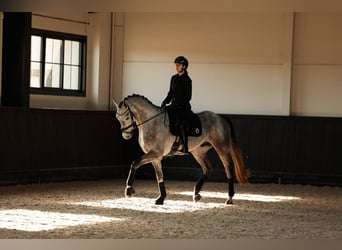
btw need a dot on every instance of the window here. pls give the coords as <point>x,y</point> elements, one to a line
<point>58,63</point>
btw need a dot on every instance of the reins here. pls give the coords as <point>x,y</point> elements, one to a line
<point>134,125</point>
<point>151,118</point>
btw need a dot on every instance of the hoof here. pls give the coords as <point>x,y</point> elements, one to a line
<point>159,201</point>
<point>229,201</point>
<point>196,197</point>
<point>129,191</point>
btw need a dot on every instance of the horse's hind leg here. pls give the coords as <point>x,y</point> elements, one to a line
<point>200,156</point>
<point>231,191</point>
<point>160,179</point>
<point>226,161</point>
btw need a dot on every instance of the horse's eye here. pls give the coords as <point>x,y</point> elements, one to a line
<point>127,118</point>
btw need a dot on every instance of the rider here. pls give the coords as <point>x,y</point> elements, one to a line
<point>180,95</point>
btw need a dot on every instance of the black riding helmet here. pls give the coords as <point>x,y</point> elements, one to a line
<point>182,60</point>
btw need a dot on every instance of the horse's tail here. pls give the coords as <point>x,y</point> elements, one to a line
<point>242,173</point>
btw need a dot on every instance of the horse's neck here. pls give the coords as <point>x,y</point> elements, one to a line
<point>142,111</point>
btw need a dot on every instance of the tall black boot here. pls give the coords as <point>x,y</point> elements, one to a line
<point>184,139</point>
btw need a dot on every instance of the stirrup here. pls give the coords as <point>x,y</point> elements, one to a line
<point>184,149</point>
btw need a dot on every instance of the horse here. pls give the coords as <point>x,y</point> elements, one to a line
<point>156,141</point>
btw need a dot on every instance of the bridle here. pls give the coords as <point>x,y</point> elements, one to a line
<point>134,124</point>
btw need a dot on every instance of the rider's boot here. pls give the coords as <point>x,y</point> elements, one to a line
<point>184,139</point>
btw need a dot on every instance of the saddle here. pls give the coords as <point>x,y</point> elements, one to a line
<point>194,123</point>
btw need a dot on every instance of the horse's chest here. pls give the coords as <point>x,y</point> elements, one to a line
<point>146,141</point>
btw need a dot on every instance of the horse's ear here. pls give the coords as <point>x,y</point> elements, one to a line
<point>116,106</point>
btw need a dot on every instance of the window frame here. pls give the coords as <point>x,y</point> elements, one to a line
<point>45,34</point>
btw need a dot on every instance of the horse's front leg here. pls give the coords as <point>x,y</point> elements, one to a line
<point>160,179</point>
<point>129,190</point>
<point>146,158</point>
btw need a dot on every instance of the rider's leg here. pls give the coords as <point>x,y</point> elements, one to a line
<point>184,136</point>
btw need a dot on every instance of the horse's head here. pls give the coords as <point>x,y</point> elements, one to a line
<point>126,119</point>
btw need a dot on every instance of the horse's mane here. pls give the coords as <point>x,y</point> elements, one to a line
<point>140,97</point>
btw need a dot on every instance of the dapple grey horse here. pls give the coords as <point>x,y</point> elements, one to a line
<point>155,139</point>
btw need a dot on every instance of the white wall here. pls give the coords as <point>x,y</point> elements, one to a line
<point>271,63</point>
<point>238,61</point>
<point>317,74</point>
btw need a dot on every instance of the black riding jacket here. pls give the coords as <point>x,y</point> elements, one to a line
<point>180,91</point>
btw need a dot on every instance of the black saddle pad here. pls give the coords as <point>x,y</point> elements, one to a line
<point>195,126</point>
